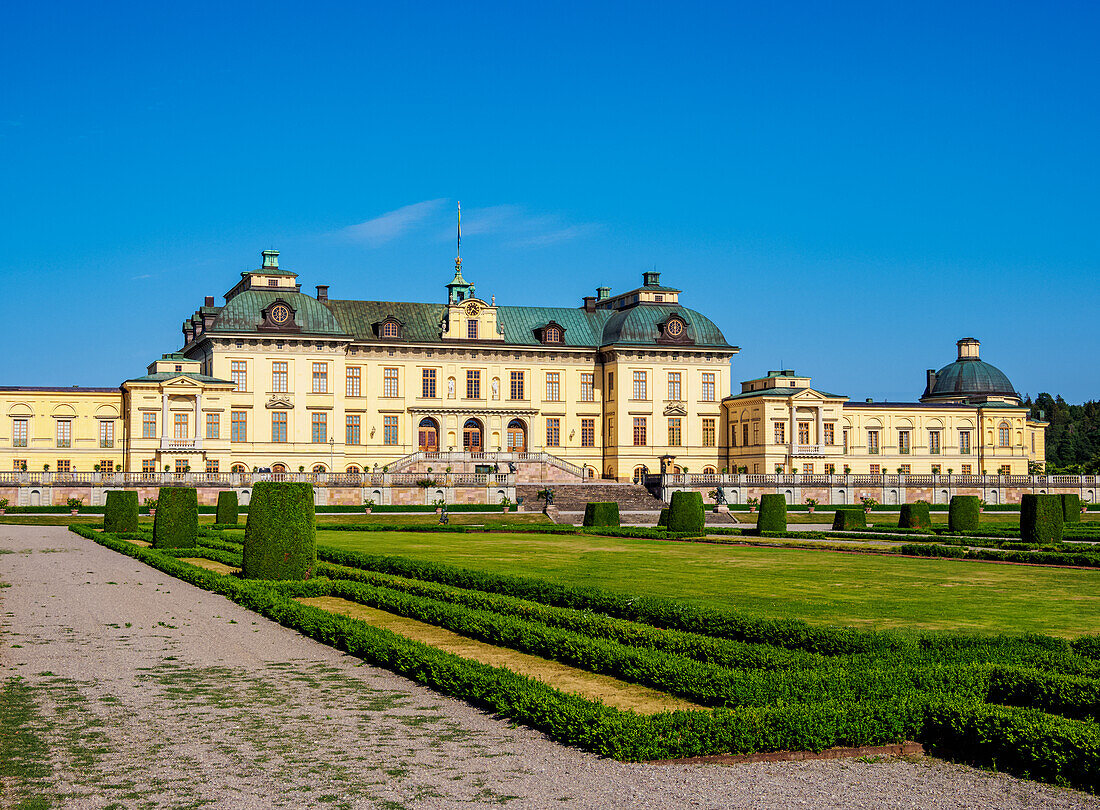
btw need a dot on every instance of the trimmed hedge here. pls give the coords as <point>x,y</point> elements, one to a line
<point>228,513</point>
<point>1071,508</point>
<point>663,519</point>
<point>914,516</point>
<point>1041,518</point>
<point>280,536</point>
<point>773,513</point>
<point>176,524</point>
<point>964,513</point>
<point>120,512</point>
<point>685,512</point>
<point>850,518</point>
<point>601,514</point>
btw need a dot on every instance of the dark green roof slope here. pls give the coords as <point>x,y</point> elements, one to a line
<point>640,325</point>
<point>969,377</point>
<point>582,328</point>
<point>783,392</point>
<point>161,376</point>
<point>241,313</point>
<point>420,322</point>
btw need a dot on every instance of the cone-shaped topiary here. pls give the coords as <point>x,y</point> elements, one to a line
<point>176,524</point>
<point>280,535</point>
<point>850,518</point>
<point>1041,519</point>
<point>227,513</point>
<point>663,519</point>
<point>1071,508</point>
<point>914,516</point>
<point>685,512</point>
<point>964,513</point>
<point>773,513</point>
<point>120,512</point>
<point>601,514</point>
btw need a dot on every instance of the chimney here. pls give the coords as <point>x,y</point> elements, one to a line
<point>322,292</point>
<point>968,348</point>
<point>271,259</point>
<point>590,303</point>
<point>651,279</point>
<point>869,400</point>
<point>931,377</point>
<point>208,301</point>
<point>603,293</point>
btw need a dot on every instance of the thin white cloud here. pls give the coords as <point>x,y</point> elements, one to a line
<point>392,224</point>
<point>143,275</point>
<point>515,227</point>
<point>556,236</point>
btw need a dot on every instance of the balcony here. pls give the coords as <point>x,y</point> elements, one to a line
<point>808,450</point>
<point>181,445</point>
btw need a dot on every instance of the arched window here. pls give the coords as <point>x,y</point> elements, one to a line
<point>1003,435</point>
<point>238,468</point>
<point>516,436</point>
<point>709,471</point>
<point>389,329</point>
<point>318,468</point>
<point>553,334</point>
<point>352,470</point>
<point>638,473</point>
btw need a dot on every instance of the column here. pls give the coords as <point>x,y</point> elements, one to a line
<point>794,433</point>
<point>164,416</point>
<point>820,427</point>
<point>198,416</point>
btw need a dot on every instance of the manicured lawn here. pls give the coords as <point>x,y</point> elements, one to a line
<point>859,590</point>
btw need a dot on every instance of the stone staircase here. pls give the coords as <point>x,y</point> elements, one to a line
<point>574,497</point>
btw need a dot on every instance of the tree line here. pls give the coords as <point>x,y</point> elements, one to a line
<point>1073,435</point>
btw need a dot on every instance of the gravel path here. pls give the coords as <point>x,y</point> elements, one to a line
<point>126,688</point>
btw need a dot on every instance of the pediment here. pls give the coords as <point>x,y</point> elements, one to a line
<point>675,409</point>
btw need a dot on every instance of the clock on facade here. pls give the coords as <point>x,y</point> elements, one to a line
<point>674,328</point>
<point>472,309</point>
<point>280,313</point>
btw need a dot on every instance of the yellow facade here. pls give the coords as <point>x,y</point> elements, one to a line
<point>61,430</point>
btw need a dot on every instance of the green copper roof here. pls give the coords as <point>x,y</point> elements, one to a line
<point>241,313</point>
<point>971,378</point>
<point>640,326</point>
<point>782,392</point>
<point>161,376</point>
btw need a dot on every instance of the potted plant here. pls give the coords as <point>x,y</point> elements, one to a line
<point>950,470</point>
<point>778,469</point>
<point>151,505</point>
<point>74,505</point>
<point>45,468</point>
<point>438,504</point>
<point>810,504</point>
<point>3,505</point>
<point>368,504</point>
<point>869,503</point>
<point>847,469</point>
<point>752,502</point>
<point>505,502</point>
<point>981,505</point>
<point>794,470</point>
<point>301,468</point>
<point>168,468</point>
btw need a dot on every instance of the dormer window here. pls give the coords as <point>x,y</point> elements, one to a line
<point>658,298</point>
<point>389,329</point>
<point>273,282</point>
<point>553,334</point>
<point>179,367</point>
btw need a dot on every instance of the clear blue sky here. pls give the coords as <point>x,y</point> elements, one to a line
<point>845,188</point>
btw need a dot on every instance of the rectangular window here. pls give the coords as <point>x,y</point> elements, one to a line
<point>211,466</point>
<point>473,384</point>
<point>148,466</point>
<point>733,435</point>
<point>876,469</point>
<point>148,426</point>
<point>515,390</point>
<point>934,442</point>
<point>320,378</point>
<point>17,464</point>
<point>553,432</point>
<point>106,465</point>
<point>830,469</point>
<point>1003,436</point>
<point>213,425</point>
<point>964,442</point>
<point>640,387</point>
<point>780,431</point>
<point>319,427</point>
<point>279,377</point>
<point>708,433</point>
<point>803,433</point>
<point>427,383</point>
<point>745,435</point>
<point>179,426</point>
<point>807,468</point>
<point>905,469</point>
<point>588,433</point>
<point>238,427</point>
<point>610,385</point>
<point>756,433</point>
<point>830,433</point>
<point>845,435</point>
<point>708,387</point>
<point>389,430</point>
<point>872,442</point>
<point>19,433</point>
<point>610,432</point>
<point>389,382</point>
<point>354,381</point>
<point>674,387</point>
<point>351,429</point>
<point>553,386</point>
<point>588,390</point>
<point>675,432</point>
<point>278,426</point>
<point>64,433</point>
<point>639,431</point>
<point>238,373</point>
<point>471,329</point>
<point>1005,470</point>
<point>935,469</point>
<point>903,442</point>
<point>182,466</point>
<point>966,469</point>
<point>64,465</point>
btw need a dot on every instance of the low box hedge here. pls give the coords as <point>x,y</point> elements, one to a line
<point>1041,518</point>
<point>120,512</point>
<point>663,519</point>
<point>228,512</point>
<point>685,512</point>
<point>773,513</point>
<point>280,535</point>
<point>914,516</point>
<point>964,513</point>
<point>850,518</point>
<point>176,524</point>
<point>1071,508</point>
<point>601,514</point>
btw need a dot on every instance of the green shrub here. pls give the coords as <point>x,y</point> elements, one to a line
<point>850,518</point>
<point>176,524</point>
<point>663,519</point>
<point>601,514</point>
<point>1071,508</point>
<point>120,513</point>
<point>773,513</point>
<point>280,535</point>
<point>685,512</point>
<point>914,516</point>
<point>1041,518</point>
<point>228,513</point>
<point>964,513</point>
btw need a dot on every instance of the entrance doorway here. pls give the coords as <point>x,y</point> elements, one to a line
<point>429,435</point>
<point>471,436</point>
<point>517,437</point>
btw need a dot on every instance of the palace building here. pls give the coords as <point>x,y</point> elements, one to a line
<point>275,378</point>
